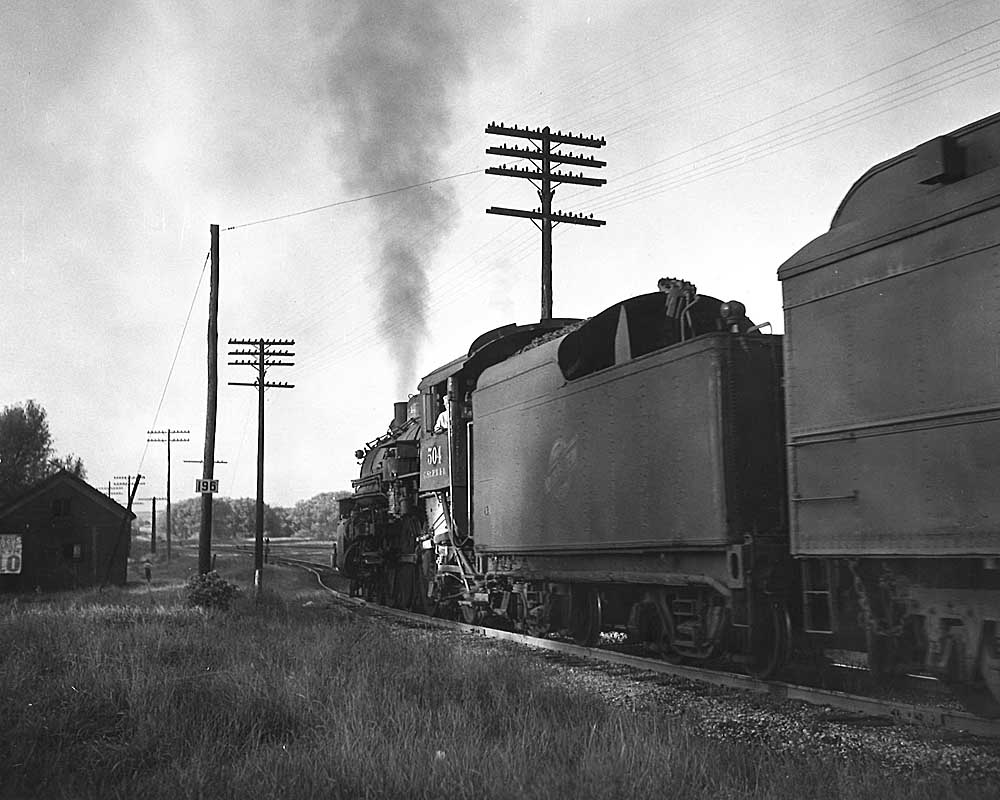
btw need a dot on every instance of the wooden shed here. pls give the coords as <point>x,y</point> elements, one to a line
<point>62,533</point>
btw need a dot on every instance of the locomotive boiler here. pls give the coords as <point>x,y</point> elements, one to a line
<point>668,470</point>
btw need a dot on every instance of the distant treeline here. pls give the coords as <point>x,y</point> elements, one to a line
<point>234,518</point>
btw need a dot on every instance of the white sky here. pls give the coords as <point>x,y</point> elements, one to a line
<point>733,131</point>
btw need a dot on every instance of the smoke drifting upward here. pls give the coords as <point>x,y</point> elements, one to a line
<point>391,78</point>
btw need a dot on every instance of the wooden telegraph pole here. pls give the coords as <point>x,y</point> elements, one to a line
<point>543,157</point>
<point>208,468</point>
<point>264,357</point>
<point>152,532</point>
<point>172,436</point>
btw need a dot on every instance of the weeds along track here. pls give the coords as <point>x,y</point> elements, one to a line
<point>864,708</point>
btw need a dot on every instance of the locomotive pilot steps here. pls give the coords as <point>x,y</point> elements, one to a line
<point>666,469</point>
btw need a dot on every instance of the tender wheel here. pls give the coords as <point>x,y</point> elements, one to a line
<point>989,666</point>
<point>983,697</point>
<point>770,639</point>
<point>882,657</point>
<point>649,626</point>
<point>538,621</point>
<point>585,619</point>
<point>977,699</point>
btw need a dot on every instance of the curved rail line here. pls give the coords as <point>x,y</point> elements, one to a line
<point>928,716</point>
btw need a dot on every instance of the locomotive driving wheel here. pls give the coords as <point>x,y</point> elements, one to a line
<point>443,600</point>
<point>586,615</point>
<point>407,587</point>
<point>352,568</point>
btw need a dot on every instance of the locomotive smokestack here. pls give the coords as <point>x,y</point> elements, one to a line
<point>399,414</point>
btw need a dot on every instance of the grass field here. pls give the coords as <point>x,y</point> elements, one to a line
<point>130,694</point>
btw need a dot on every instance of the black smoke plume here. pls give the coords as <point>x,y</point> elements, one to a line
<point>392,75</point>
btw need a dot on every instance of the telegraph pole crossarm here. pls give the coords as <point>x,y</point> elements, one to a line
<point>124,482</point>
<point>557,216</point>
<point>545,179</point>
<point>171,436</point>
<point>262,355</point>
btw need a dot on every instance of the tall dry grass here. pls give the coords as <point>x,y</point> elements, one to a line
<point>134,695</point>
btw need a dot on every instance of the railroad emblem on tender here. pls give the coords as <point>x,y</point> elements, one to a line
<point>562,467</point>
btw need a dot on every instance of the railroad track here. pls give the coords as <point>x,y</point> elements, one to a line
<point>869,707</point>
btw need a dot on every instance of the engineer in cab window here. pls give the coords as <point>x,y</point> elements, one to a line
<point>442,421</point>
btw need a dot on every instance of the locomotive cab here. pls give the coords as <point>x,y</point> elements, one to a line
<point>446,462</point>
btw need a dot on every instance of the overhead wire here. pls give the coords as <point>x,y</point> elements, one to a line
<point>341,295</point>
<point>705,23</point>
<point>723,86</point>
<point>786,137</point>
<point>523,244</point>
<point>352,200</point>
<point>382,323</point>
<point>604,200</point>
<point>811,99</point>
<point>173,363</point>
<point>374,282</point>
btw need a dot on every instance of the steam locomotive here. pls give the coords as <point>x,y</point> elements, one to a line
<point>669,470</point>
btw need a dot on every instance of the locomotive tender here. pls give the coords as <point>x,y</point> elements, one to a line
<point>667,469</point>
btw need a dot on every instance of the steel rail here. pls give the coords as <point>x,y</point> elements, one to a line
<point>908,713</point>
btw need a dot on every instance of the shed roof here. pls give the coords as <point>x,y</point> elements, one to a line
<point>69,479</point>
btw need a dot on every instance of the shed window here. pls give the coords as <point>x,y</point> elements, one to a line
<point>73,551</point>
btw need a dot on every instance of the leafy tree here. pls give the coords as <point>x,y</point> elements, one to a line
<point>71,463</point>
<point>186,517</point>
<point>26,452</point>
<point>232,518</point>
<point>316,517</point>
